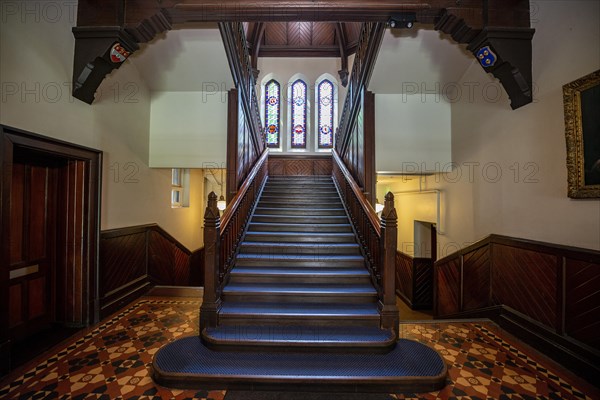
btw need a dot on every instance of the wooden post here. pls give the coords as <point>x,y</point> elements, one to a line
<point>389,236</point>
<point>211,303</point>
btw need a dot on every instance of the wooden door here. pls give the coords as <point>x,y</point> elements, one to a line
<point>33,213</point>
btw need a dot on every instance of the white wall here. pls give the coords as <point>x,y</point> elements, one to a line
<point>285,70</point>
<point>36,53</point>
<point>412,133</point>
<point>511,177</point>
<point>188,129</point>
<point>410,207</point>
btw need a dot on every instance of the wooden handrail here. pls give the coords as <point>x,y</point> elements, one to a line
<point>367,207</point>
<point>235,202</point>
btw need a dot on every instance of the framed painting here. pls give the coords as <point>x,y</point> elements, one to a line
<point>582,130</point>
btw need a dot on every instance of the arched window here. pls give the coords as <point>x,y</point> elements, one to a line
<point>325,97</point>
<point>299,111</point>
<point>272,113</point>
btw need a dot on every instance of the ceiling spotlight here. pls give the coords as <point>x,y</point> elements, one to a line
<point>403,20</point>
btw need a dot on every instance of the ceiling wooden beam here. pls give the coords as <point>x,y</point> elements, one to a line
<point>501,27</point>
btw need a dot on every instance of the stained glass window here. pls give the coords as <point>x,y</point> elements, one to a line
<point>272,113</point>
<point>299,111</point>
<point>325,96</point>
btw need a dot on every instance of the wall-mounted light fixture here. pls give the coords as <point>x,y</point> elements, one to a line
<point>221,204</point>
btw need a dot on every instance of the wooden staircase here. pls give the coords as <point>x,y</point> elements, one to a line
<point>299,279</point>
<point>296,306</point>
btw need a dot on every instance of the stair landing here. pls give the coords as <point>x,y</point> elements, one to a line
<point>410,366</point>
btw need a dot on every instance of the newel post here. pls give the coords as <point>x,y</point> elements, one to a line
<point>389,236</point>
<point>211,303</point>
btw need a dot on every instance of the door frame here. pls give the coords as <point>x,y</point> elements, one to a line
<point>10,138</point>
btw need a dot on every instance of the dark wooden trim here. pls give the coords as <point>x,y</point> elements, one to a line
<point>87,238</point>
<point>176,291</point>
<point>370,177</point>
<point>504,26</point>
<point>232,144</point>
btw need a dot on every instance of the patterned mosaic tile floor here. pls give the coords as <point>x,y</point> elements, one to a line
<point>112,361</point>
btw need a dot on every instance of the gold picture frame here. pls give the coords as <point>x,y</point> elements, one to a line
<point>582,130</point>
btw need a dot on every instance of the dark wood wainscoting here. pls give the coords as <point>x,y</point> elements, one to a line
<point>548,295</point>
<point>134,259</point>
<point>302,165</point>
<point>414,281</point>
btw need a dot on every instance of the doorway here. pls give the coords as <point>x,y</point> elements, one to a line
<point>49,213</point>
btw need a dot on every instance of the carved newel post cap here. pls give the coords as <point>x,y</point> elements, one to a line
<point>212,211</point>
<point>389,211</point>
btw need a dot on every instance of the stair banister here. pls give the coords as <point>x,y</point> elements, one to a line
<point>212,231</point>
<point>378,238</point>
<point>389,243</point>
<point>222,235</point>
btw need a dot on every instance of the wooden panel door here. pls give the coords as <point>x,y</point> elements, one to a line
<point>32,245</point>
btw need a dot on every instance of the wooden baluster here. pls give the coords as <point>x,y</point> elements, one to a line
<point>211,303</point>
<point>389,235</point>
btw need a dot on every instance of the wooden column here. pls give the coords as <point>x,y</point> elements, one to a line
<point>232,144</point>
<point>370,179</point>
<point>211,303</point>
<point>389,236</point>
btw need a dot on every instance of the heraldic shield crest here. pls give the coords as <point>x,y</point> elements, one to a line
<point>486,57</point>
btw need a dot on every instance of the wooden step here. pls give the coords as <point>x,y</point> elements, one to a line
<point>298,337</point>
<point>339,211</point>
<point>297,203</point>
<point>309,293</point>
<point>339,275</point>
<point>288,227</point>
<point>298,219</point>
<point>297,237</point>
<point>290,249</point>
<point>411,367</point>
<point>303,314</point>
<point>300,260</point>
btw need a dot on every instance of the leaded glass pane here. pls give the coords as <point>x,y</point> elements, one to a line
<point>299,111</point>
<point>325,96</point>
<point>272,113</point>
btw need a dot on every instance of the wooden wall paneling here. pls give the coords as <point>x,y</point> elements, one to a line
<point>448,280</point>
<point>323,167</point>
<point>476,279</point>
<point>582,299</point>
<point>124,267</point>
<point>404,277</point>
<point>16,213</point>
<point>196,266</point>
<point>161,259</point>
<point>423,283</point>
<point>300,165</point>
<point>526,280</point>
